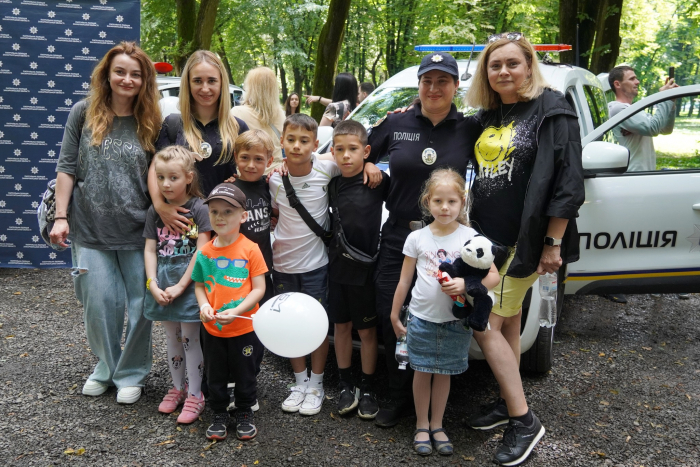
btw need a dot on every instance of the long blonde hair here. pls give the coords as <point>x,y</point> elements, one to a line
<point>186,158</point>
<point>228,126</point>
<point>452,179</point>
<point>262,94</point>
<point>480,93</point>
<point>99,115</point>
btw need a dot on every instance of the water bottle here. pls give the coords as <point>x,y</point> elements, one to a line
<point>548,300</point>
<point>401,353</point>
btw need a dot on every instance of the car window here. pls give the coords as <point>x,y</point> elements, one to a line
<point>663,137</point>
<point>236,97</point>
<point>393,98</point>
<point>597,104</point>
<point>170,92</point>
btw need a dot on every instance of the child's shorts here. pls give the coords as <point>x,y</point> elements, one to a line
<point>511,292</point>
<point>441,348</point>
<point>354,303</point>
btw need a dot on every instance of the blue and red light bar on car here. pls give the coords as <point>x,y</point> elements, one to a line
<point>480,48</point>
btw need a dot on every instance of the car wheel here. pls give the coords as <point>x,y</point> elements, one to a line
<point>538,359</point>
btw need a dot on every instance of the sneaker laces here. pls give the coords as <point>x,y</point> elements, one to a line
<point>509,436</point>
<point>245,417</point>
<point>313,396</point>
<point>220,419</point>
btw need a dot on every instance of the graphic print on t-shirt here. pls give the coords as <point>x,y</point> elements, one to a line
<point>258,216</point>
<point>435,258</point>
<point>505,152</point>
<point>176,244</point>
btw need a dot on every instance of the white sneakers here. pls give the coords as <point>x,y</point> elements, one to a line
<point>295,399</point>
<point>313,400</point>
<point>94,388</point>
<point>128,395</point>
<point>305,400</point>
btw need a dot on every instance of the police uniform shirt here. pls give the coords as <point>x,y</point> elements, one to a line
<point>405,137</point>
<point>360,209</point>
<point>210,173</point>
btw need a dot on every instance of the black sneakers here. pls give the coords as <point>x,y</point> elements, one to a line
<point>368,406</point>
<point>218,427</point>
<point>348,398</point>
<point>491,416</point>
<point>245,425</point>
<point>393,413</point>
<point>518,442</point>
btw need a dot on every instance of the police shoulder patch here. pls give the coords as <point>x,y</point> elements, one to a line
<point>379,122</point>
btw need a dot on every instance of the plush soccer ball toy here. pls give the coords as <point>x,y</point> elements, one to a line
<point>476,258</point>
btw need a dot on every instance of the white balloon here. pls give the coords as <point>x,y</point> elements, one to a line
<point>291,324</point>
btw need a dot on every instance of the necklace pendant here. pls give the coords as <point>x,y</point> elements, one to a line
<point>429,156</point>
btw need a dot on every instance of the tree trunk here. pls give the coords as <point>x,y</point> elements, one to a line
<point>298,80</point>
<point>607,39</point>
<point>588,12</point>
<point>206,19</point>
<point>568,12</point>
<point>224,59</point>
<point>329,43</point>
<point>283,80</point>
<point>186,10</point>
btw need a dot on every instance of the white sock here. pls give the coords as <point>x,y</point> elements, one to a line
<point>316,381</point>
<point>302,378</point>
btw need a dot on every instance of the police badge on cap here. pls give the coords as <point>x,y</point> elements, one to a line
<point>439,61</point>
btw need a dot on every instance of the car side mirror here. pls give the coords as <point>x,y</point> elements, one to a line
<point>601,157</point>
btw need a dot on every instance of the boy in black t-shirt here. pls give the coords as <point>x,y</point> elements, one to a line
<point>253,154</point>
<point>351,286</point>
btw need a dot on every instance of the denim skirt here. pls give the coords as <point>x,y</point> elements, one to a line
<point>184,309</point>
<point>441,348</point>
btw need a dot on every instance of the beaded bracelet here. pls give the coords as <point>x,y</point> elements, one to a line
<point>148,282</point>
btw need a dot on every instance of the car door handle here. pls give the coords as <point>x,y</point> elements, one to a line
<point>696,207</point>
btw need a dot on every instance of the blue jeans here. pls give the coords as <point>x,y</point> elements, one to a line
<point>109,283</point>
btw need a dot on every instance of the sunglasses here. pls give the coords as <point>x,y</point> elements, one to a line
<point>223,262</point>
<point>511,36</point>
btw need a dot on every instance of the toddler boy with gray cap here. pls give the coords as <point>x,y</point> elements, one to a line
<point>229,276</point>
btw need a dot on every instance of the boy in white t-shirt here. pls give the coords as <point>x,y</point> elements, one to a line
<point>299,256</point>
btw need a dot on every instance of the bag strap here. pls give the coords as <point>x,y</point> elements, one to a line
<point>174,123</point>
<point>296,204</point>
<point>275,131</point>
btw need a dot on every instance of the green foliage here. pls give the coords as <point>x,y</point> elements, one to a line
<point>380,34</point>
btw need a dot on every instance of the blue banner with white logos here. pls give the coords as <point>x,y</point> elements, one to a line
<point>48,50</point>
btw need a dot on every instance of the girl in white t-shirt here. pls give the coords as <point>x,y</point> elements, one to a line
<point>438,343</point>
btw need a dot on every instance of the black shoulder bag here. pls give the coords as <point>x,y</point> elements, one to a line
<point>346,250</point>
<point>294,202</point>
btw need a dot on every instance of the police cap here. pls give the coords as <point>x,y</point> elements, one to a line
<point>439,61</point>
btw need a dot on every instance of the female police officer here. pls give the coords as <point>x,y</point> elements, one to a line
<point>430,135</point>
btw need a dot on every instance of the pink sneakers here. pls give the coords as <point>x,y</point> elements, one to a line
<point>172,400</point>
<point>192,410</point>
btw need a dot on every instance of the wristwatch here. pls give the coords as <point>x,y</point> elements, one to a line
<point>551,241</point>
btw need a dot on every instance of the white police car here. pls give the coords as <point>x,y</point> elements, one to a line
<point>640,232</point>
<point>169,89</point>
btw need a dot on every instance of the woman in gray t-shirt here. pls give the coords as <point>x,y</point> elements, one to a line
<point>101,203</point>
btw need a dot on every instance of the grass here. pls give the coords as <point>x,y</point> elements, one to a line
<point>680,149</point>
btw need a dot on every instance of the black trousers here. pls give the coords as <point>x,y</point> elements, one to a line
<point>387,277</point>
<point>237,356</point>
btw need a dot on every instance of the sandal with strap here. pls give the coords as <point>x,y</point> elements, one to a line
<point>424,448</point>
<point>444,448</point>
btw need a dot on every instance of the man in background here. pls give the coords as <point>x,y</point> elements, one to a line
<point>636,132</point>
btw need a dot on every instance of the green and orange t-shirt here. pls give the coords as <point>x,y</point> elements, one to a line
<point>227,274</point>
